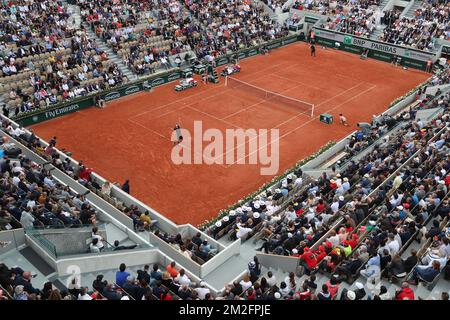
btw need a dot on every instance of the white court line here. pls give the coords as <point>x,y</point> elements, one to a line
<point>214,117</point>
<point>151,130</point>
<point>305,123</point>
<point>301,113</point>
<point>198,93</point>
<point>244,109</point>
<point>305,84</point>
<point>164,137</point>
<point>262,101</point>
<point>323,102</point>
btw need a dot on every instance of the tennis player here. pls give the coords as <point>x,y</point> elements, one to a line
<point>177,130</point>
<point>343,120</point>
<point>313,50</point>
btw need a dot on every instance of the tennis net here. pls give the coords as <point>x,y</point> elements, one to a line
<point>301,106</point>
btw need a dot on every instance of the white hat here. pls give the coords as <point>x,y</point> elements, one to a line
<point>351,295</point>
<point>289,176</point>
<point>226,219</point>
<point>256,215</point>
<point>239,210</point>
<point>346,179</point>
<point>341,198</point>
<point>277,295</point>
<point>256,205</point>
<point>338,175</point>
<point>294,251</point>
<point>232,212</point>
<point>289,235</point>
<point>372,222</point>
<point>332,181</point>
<point>218,224</point>
<point>441,182</point>
<point>311,209</point>
<point>366,175</point>
<point>400,207</point>
<point>125,298</point>
<point>277,191</point>
<point>202,284</point>
<point>359,285</point>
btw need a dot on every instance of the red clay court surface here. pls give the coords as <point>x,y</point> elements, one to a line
<point>130,139</point>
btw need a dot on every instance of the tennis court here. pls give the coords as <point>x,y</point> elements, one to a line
<point>130,139</point>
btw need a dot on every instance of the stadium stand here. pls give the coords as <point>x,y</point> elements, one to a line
<point>378,213</point>
<point>59,63</point>
<point>429,22</point>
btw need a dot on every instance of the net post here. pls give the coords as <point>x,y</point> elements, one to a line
<point>226,81</point>
<point>312,111</point>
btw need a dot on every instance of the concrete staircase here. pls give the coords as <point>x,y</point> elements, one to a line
<point>383,4</point>
<point>414,7</point>
<point>377,32</point>
<point>111,55</point>
<point>76,16</point>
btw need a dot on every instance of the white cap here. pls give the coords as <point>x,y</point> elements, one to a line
<point>256,205</point>
<point>289,235</point>
<point>232,212</point>
<point>277,191</point>
<point>359,285</point>
<point>351,295</point>
<point>277,295</point>
<point>218,224</point>
<point>294,251</point>
<point>400,207</point>
<point>226,219</point>
<point>341,198</point>
<point>256,215</point>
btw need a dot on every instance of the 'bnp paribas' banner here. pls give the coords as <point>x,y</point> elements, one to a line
<point>377,50</point>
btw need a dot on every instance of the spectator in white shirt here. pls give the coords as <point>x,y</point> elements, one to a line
<point>182,278</point>
<point>392,244</point>
<point>271,279</point>
<point>242,232</point>
<point>27,219</point>
<point>334,239</point>
<point>202,291</point>
<point>245,283</point>
<point>95,235</point>
<point>83,295</point>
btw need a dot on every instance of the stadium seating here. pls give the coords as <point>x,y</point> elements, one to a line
<point>385,197</point>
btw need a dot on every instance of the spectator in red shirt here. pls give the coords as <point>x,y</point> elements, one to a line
<point>333,286</point>
<point>405,293</point>
<point>171,269</point>
<point>353,240</point>
<point>320,207</point>
<point>165,295</point>
<point>309,261</point>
